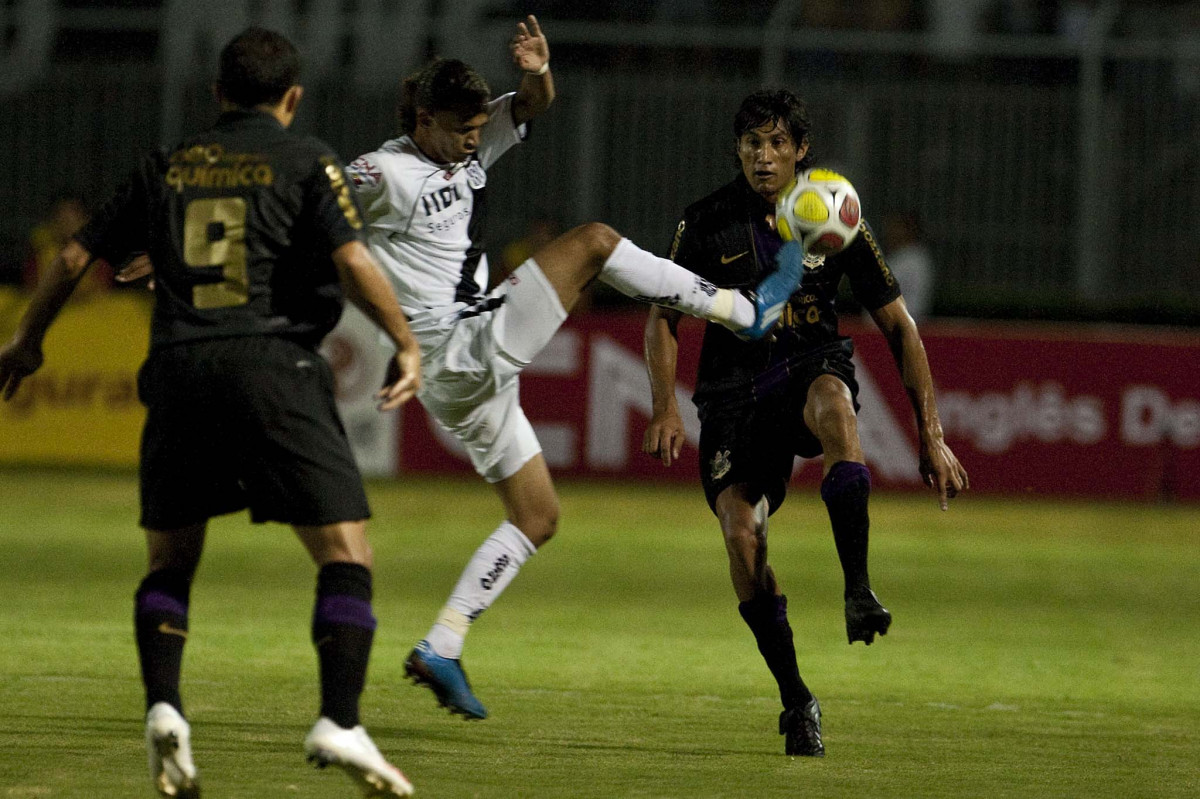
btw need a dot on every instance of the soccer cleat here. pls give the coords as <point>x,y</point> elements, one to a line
<point>865,617</point>
<point>801,728</point>
<point>771,295</point>
<point>169,752</point>
<point>352,750</point>
<point>446,678</point>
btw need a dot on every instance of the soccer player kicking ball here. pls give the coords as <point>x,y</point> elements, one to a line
<point>761,403</point>
<point>254,235</point>
<point>423,196</point>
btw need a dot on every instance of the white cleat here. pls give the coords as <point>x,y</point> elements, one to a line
<point>354,751</point>
<point>169,751</point>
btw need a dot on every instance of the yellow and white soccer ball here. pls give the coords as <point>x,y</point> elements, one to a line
<point>820,209</point>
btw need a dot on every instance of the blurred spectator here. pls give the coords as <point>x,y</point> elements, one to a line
<point>64,217</point>
<point>909,258</point>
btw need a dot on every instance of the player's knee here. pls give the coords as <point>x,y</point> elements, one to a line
<point>599,239</point>
<point>742,534</point>
<point>539,524</point>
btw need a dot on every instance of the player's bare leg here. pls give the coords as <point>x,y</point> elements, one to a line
<point>596,251</point>
<point>764,609</point>
<point>161,625</point>
<point>343,627</point>
<point>744,526</point>
<point>531,519</point>
<point>846,488</point>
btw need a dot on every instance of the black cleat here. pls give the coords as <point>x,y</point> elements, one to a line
<point>865,617</point>
<point>801,728</point>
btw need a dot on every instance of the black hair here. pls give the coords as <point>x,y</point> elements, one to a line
<point>442,85</point>
<point>258,67</point>
<point>776,105</point>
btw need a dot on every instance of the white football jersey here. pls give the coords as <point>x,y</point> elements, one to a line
<point>425,221</point>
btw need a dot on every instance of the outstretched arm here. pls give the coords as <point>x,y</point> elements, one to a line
<point>939,467</point>
<point>665,436</point>
<point>371,293</point>
<point>531,54</point>
<point>22,355</point>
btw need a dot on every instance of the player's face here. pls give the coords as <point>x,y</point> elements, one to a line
<point>450,137</point>
<point>769,155</point>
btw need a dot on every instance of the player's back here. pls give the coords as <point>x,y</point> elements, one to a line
<point>241,221</point>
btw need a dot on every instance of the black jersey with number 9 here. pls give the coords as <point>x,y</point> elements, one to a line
<point>239,222</point>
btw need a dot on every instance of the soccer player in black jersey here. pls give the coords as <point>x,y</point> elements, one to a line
<point>254,234</point>
<point>761,403</point>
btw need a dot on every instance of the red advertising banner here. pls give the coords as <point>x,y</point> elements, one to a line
<point>1029,408</point>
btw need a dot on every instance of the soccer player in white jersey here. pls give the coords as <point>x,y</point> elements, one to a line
<point>424,200</point>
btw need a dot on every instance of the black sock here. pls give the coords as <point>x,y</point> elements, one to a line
<point>846,490</point>
<point>342,629</point>
<point>766,616</point>
<point>160,621</point>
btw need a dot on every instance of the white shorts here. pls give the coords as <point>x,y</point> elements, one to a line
<point>470,369</point>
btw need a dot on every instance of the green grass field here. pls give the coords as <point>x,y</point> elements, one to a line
<point>1039,650</point>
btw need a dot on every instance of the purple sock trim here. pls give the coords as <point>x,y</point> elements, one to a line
<point>160,602</point>
<point>845,478</point>
<point>764,607</point>
<point>341,609</point>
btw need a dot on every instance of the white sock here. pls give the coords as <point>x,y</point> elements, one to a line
<point>488,573</point>
<point>648,278</point>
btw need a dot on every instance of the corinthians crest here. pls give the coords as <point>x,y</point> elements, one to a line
<point>813,261</point>
<point>476,177</point>
<point>720,464</point>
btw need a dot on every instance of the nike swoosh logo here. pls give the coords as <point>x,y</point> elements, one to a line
<point>169,630</point>
<point>728,259</point>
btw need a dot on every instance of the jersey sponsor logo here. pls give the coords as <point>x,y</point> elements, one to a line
<point>219,177</point>
<point>208,166</point>
<point>498,568</point>
<point>721,464</point>
<point>337,182</point>
<point>728,259</point>
<point>439,200</point>
<point>364,173</point>
<point>476,176</point>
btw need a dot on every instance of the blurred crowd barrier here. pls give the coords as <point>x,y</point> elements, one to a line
<point>1049,150</point>
<point>1037,408</point>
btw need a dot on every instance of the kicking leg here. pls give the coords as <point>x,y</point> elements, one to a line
<point>595,250</point>
<point>846,489</point>
<point>161,624</point>
<point>531,507</point>
<point>764,609</point>
<point>343,628</point>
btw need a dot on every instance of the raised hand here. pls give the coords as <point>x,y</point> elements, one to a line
<point>530,51</point>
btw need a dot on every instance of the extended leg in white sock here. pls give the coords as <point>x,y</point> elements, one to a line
<point>644,276</point>
<point>487,574</point>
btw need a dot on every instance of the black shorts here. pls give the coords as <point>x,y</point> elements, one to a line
<point>756,442</point>
<point>244,422</point>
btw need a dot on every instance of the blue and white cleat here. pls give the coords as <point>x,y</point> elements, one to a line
<point>771,295</point>
<point>446,678</point>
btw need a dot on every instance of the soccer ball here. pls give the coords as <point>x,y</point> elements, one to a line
<point>819,209</point>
